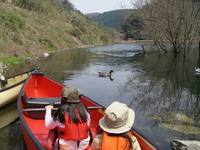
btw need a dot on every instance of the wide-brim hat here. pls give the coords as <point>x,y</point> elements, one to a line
<point>70,94</point>
<point>118,118</point>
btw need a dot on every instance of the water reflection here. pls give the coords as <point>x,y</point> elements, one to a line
<point>66,63</point>
<point>10,137</point>
<point>168,95</point>
<point>173,87</point>
<point>8,114</point>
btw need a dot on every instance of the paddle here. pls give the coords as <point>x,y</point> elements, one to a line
<point>43,109</point>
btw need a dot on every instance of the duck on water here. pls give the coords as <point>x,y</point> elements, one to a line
<point>106,74</point>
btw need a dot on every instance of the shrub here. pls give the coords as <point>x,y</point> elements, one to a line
<point>48,44</point>
<point>43,6</point>
<point>76,32</point>
<point>11,20</point>
<point>11,60</point>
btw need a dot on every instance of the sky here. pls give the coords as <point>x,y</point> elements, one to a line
<point>91,6</point>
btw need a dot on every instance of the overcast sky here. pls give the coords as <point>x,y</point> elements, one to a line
<point>90,6</point>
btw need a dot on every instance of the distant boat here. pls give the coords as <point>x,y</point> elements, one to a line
<point>10,87</point>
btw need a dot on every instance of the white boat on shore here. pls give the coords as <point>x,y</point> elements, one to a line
<point>10,90</point>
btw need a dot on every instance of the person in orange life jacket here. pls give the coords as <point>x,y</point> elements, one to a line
<point>116,125</point>
<point>72,121</point>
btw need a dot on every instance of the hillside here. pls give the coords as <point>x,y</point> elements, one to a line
<point>112,19</point>
<point>29,28</point>
<point>93,15</point>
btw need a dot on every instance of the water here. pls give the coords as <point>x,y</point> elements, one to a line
<point>162,90</point>
<point>10,134</point>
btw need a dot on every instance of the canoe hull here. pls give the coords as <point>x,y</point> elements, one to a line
<point>9,95</point>
<point>10,91</point>
<point>34,131</point>
<point>30,145</point>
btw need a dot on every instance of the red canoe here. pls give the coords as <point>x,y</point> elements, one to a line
<point>38,91</point>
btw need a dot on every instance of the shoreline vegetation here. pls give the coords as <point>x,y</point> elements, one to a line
<point>31,28</point>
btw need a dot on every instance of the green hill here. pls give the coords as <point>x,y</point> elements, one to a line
<point>112,19</point>
<point>31,27</point>
<point>93,15</point>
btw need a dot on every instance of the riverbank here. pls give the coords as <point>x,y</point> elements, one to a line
<point>135,41</point>
<point>28,30</point>
<point>11,64</point>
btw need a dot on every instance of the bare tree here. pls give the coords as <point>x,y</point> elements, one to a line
<point>169,22</point>
<point>197,21</point>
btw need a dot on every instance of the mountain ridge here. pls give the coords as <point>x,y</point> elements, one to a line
<point>113,19</point>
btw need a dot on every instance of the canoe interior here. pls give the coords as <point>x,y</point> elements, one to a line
<point>38,86</point>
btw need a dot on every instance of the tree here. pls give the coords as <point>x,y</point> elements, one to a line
<point>169,22</point>
<point>197,21</point>
<point>132,27</point>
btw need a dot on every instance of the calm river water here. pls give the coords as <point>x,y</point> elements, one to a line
<point>162,89</point>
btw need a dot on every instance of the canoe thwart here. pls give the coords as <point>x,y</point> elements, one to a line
<point>43,109</point>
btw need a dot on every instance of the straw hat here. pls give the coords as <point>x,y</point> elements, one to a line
<point>118,118</point>
<point>71,94</point>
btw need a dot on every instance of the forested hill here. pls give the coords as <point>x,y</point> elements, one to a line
<point>31,27</point>
<point>113,19</point>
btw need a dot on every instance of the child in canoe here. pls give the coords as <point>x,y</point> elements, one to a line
<point>71,120</point>
<point>116,125</point>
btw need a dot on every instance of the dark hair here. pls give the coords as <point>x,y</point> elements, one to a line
<point>63,100</point>
<point>71,109</point>
<point>126,136</point>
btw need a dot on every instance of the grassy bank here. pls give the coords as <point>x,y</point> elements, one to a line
<point>28,28</point>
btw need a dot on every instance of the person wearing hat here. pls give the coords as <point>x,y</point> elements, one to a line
<point>71,120</point>
<point>116,125</point>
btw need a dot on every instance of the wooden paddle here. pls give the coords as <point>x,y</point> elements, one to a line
<point>43,109</point>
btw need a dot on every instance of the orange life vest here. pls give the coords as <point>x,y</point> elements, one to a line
<point>73,131</point>
<point>114,142</point>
